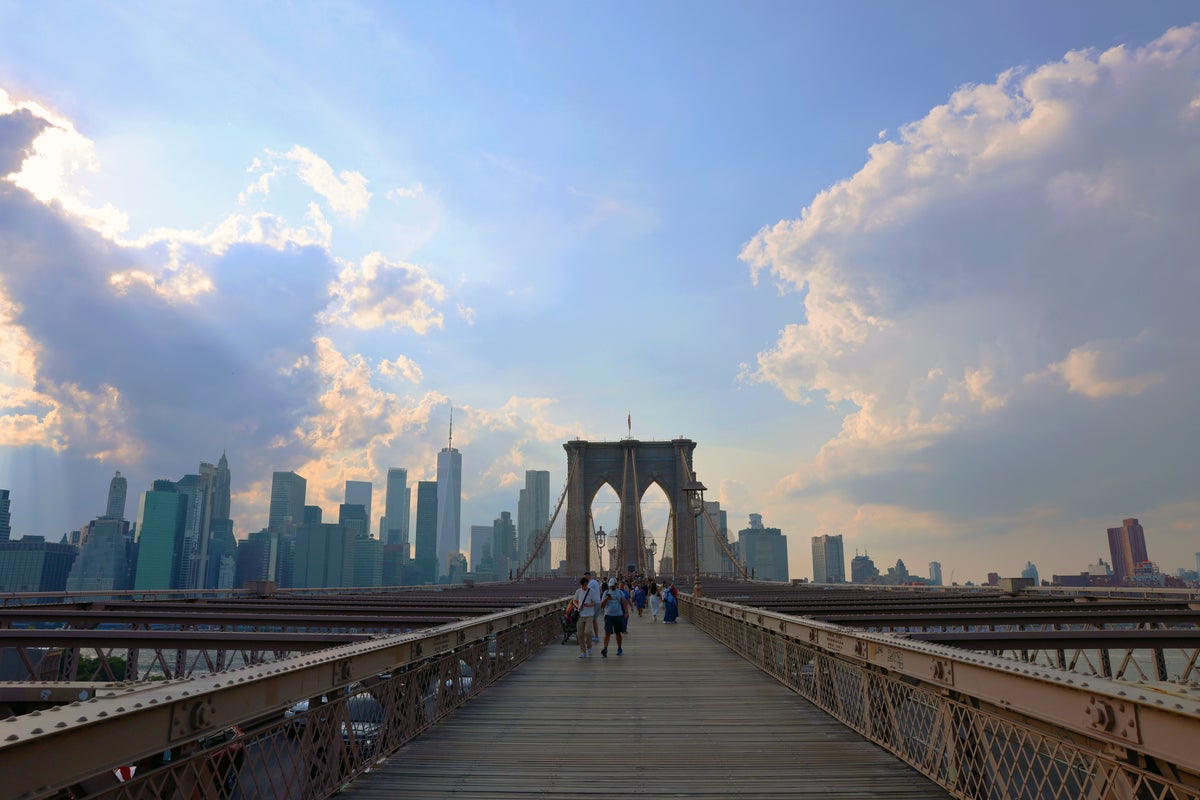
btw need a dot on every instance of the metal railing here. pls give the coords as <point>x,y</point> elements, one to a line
<point>981,727</point>
<point>300,727</point>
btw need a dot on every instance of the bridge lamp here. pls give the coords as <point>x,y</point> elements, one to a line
<point>695,497</point>
<point>601,536</point>
<point>653,549</point>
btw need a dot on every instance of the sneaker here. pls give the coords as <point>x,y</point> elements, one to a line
<point>595,638</point>
<point>619,651</point>
<point>589,652</point>
<point>604,653</point>
<point>583,655</point>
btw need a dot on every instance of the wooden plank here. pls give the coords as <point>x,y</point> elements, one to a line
<point>678,715</point>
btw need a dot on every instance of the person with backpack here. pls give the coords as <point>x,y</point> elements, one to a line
<point>615,603</point>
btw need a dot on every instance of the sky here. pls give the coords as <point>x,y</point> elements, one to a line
<point>923,274</point>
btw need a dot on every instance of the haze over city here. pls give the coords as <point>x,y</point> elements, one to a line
<point>920,274</point>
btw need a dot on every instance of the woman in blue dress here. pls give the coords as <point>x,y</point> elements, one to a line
<point>670,602</point>
<point>639,598</point>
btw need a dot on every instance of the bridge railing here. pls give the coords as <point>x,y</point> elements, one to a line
<point>300,727</point>
<point>981,727</point>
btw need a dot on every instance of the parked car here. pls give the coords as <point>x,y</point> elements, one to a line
<point>363,724</point>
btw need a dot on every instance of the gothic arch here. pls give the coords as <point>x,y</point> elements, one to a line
<point>631,467</point>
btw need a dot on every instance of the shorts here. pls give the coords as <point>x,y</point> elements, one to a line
<point>614,624</point>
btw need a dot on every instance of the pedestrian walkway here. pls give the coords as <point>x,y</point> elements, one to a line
<point>678,715</point>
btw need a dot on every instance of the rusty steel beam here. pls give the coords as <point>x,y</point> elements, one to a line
<point>107,732</point>
<point>1148,639</point>
<point>1161,725</point>
<point>177,640</point>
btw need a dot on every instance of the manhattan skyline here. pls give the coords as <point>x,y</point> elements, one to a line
<point>916,274</point>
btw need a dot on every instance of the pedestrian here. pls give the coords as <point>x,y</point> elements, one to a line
<point>670,602</point>
<point>655,601</point>
<point>587,603</point>
<point>639,598</point>
<point>615,603</point>
<point>594,588</point>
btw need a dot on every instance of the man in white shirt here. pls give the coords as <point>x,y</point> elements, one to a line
<point>587,600</point>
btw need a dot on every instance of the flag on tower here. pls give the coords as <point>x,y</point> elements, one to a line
<point>629,423</point>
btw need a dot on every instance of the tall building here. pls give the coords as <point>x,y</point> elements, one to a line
<point>426,533</point>
<point>354,518</point>
<point>324,556</point>
<point>194,555</point>
<point>763,550</point>
<point>829,561</point>
<point>935,573</point>
<point>1031,572</point>
<point>359,493</point>
<point>103,562</point>
<point>161,520</point>
<point>1127,545</point>
<point>504,545</point>
<point>712,557</point>
<point>221,489</point>
<point>31,564</point>
<point>862,569</point>
<point>287,500</point>
<point>5,516</point>
<point>533,516</point>
<point>481,546</point>
<point>449,489</point>
<point>396,508</point>
<point>118,489</point>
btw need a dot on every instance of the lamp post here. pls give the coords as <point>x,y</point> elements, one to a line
<point>600,537</point>
<point>695,495</point>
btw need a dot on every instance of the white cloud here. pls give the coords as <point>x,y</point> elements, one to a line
<point>1031,235</point>
<point>1112,368</point>
<point>403,366</point>
<point>412,193</point>
<point>345,191</point>
<point>377,292</point>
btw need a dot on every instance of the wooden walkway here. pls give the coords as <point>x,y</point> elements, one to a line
<point>677,716</point>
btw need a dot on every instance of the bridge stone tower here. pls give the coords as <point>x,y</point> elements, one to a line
<point>630,467</point>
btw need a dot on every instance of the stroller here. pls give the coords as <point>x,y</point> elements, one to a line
<point>569,618</point>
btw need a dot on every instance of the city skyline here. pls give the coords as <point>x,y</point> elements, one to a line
<point>917,274</point>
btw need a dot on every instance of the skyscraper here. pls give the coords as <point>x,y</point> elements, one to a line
<point>504,545</point>
<point>427,529</point>
<point>161,519</point>
<point>533,515</point>
<point>829,561</point>
<point>713,559</point>
<point>764,550</point>
<point>359,493</point>
<point>935,573</point>
<point>5,516</point>
<point>287,500</point>
<point>396,508</point>
<point>221,483</point>
<point>193,557</point>
<point>481,546</point>
<point>103,558</point>
<point>862,569</point>
<point>449,494</point>
<point>118,488</point>
<point>1127,544</point>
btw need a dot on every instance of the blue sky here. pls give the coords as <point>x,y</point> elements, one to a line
<point>910,272</point>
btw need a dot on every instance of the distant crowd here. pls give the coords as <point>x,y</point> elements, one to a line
<point>615,600</point>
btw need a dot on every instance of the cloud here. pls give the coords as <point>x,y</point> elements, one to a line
<point>345,191</point>
<point>377,293</point>
<point>999,275</point>
<point>403,366</point>
<point>1113,367</point>
<point>412,193</point>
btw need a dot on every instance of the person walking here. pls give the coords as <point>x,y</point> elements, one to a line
<point>655,601</point>
<point>639,598</point>
<point>587,602</point>
<point>670,602</point>
<point>594,588</point>
<point>615,603</point>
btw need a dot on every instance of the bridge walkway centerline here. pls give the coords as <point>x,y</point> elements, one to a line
<point>678,715</point>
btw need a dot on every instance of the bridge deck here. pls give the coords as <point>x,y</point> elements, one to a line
<point>678,715</point>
